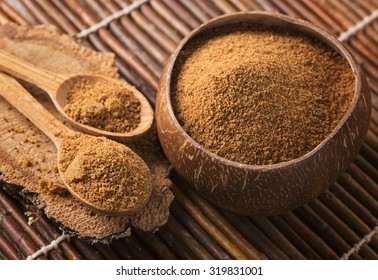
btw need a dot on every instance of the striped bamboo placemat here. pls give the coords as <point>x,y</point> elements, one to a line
<point>341,223</point>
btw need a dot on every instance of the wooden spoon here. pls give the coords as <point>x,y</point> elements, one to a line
<point>57,86</point>
<point>26,104</point>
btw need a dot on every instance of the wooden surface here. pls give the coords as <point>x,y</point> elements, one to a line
<point>341,223</point>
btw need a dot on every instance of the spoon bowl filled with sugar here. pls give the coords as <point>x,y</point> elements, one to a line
<point>261,112</point>
<point>104,175</point>
<point>93,104</point>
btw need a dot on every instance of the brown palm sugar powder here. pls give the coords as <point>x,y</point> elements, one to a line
<point>104,105</point>
<point>260,95</point>
<point>105,173</point>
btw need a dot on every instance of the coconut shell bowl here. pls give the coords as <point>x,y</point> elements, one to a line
<point>264,189</point>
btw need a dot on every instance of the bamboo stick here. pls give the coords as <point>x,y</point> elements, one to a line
<point>372,140</point>
<point>157,20</point>
<point>88,252</point>
<point>255,236</point>
<point>300,9</point>
<point>368,6</point>
<point>106,252</point>
<point>66,12</point>
<point>17,235</point>
<point>195,10</point>
<point>340,226</point>
<point>373,84</point>
<point>225,6</point>
<point>356,7</point>
<point>133,29</point>
<point>155,244</point>
<point>294,238</point>
<point>366,38</point>
<point>374,98</point>
<point>316,243</point>
<point>60,19</point>
<point>139,250</point>
<point>373,3</point>
<point>359,192</point>
<point>374,119</point>
<point>188,240</point>
<point>169,236</point>
<point>368,184</point>
<point>207,7</point>
<point>338,244</point>
<point>123,36</point>
<point>351,18</point>
<point>241,6</point>
<point>367,167</point>
<point>278,238</point>
<point>373,126</point>
<point>3,18</point>
<point>12,13</point>
<point>20,218</point>
<point>169,16</point>
<point>153,31</point>
<point>219,221</point>
<point>332,24</point>
<point>197,232</point>
<point>119,248</point>
<point>185,15</point>
<point>359,209</point>
<point>52,233</point>
<point>191,208</point>
<point>122,247</point>
<point>265,5</point>
<point>36,11</point>
<point>251,5</point>
<point>349,217</point>
<point>20,8</point>
<point>7,249</point>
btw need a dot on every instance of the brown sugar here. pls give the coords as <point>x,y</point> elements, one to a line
<point>260,95</point>
<point>104,105</point>
<point>105,173</point>
<point>27,162</point>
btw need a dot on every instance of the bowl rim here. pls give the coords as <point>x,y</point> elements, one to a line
<point>323,35</point>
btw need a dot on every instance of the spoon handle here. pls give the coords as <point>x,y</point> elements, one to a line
<point>26,104</point>
<point>28,72</point>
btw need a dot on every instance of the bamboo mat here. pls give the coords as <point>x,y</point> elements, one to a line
<point>342,223</point>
